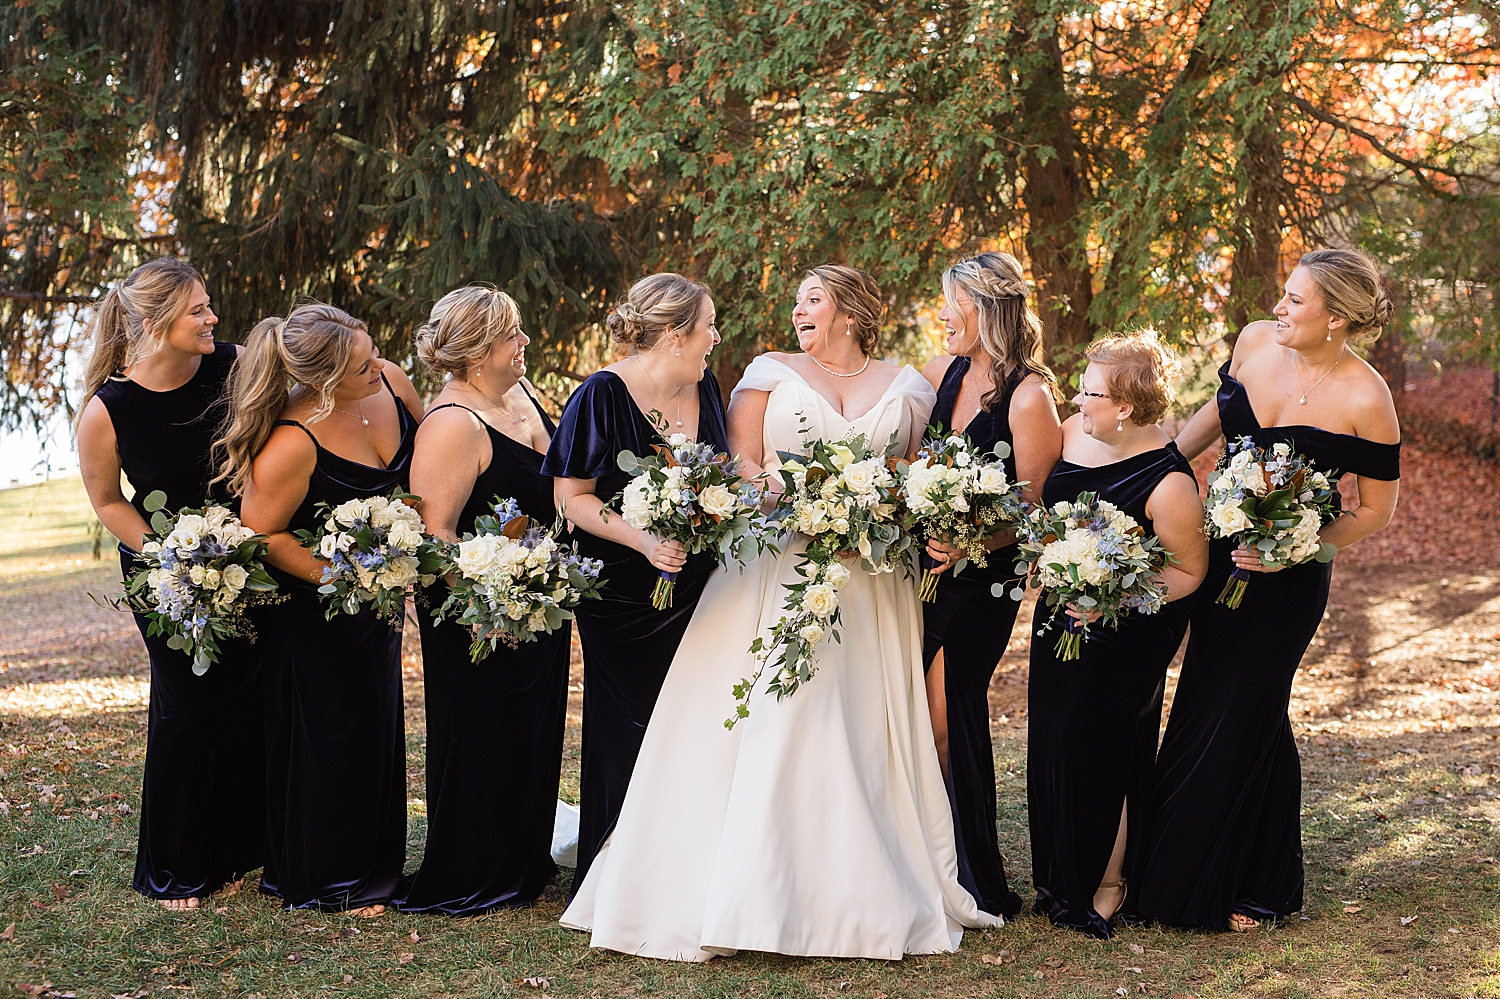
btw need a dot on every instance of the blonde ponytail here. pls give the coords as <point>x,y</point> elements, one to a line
<point>132,321</point>
<point>311,347</point>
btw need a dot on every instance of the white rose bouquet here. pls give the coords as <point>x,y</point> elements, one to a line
<point>685,492</point>
<point>202,572</point>
<point>1094,555</point>
<point>514,581</point>
<point>1270,501</point>
<point>844,495</point>
<point>960,496</point>
<point>377,552</point>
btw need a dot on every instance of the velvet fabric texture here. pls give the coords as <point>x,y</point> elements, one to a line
<point>203,787</point>
<point>335,733</point>
<point>1094,720</point>
<point>1225,833</point>
<point>494,731</point>
<point>971,627</point>
<point>627,644</point>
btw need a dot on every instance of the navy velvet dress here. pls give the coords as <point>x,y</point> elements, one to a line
<point>971,627</point>
<point>1225,832</point>
<point>203,790</point>
<point>494,731</point>
<point>335,731</point>
<point>1094,720</point>
<point>628,645</point>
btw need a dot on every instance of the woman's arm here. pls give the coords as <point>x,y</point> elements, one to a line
<point>1037,433</point>
<point>452,448</point>
<point>404,389</point>
<point>746,423</point>
<point>1201,431</point>
<point>1177,514</point>
<point>99,463</point>
<point>577,502</point>
<point>277,486</point>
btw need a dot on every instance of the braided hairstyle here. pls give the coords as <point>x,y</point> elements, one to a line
<point>1009,330</point>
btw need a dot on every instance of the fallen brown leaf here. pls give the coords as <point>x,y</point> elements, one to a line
<point>222,910</point>
<point>295,957</point>
<point>1408,920</point>
<point>60,892</point>
<point>1053,962</point>
<point>1351,909</point>
<point>1137,949</point>
<point>536,982</point>
<point>407,957</point>
<point>9,933</point>
<point>414,936</point>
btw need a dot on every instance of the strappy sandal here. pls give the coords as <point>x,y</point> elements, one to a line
<point>1124,894</point>
<point>1241,923</point>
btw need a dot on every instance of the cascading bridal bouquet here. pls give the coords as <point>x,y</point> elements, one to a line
<point>202,572</point>
<point>961,496</point>
<point>514,581</point>
<point>1272,502</point>
<point>844,496</point>
<point>685,492</point>
<point>1093,555</point>
<point>377,553</point>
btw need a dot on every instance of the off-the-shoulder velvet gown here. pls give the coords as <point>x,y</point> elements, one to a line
<point>971,627</point>
<point>494,730</point>
<point>1225,833</point>
<point>203,791</point>
<point>335,732</point>
<point>627,643</point>
<point>1094,720</point>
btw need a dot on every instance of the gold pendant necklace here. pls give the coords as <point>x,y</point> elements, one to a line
<point>1307,392</point>
<point>657,389</point>
<point>360,416</point>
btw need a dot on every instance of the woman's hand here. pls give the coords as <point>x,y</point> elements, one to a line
<point>1078,615</point>
<point>944,554</point>
<point>1249,560</point>
<point>668,556</point>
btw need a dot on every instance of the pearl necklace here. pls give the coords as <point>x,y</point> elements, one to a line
<point>842,374</point>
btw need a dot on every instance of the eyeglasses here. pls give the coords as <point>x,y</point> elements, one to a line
<point>1093,395</point>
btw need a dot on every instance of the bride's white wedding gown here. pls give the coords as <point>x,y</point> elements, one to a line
<point>820,825</point>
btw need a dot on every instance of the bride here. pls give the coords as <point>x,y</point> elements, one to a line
<point>819,826</point>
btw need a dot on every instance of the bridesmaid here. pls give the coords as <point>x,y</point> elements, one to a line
<point>154,394</point>
<point>335,738</point>
<point>993,386</point>
<point>1224,847</point>
<point>494,728</point>
<point>1094,720</point>
<point>663,386</point>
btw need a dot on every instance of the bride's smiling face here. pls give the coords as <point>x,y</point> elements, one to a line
<point>815,316</point>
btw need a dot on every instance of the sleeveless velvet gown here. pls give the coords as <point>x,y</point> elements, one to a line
<point>494,731</point>
<point>627,644</point>
<point>1094,720</point>
<point>971,627</point>
<point>1225,834</point>
<point>203,790</point>
<point>335,733</point>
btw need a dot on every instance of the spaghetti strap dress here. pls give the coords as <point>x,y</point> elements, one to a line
<point>627,644</point>
<point>335,733</point>
<point>1225,833</point>
<point>494,729</point>
<point>203,790</point>
<point>1093,721</point>
<point>971,627</point>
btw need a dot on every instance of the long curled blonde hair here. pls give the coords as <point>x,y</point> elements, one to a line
<point>1009,330</point>
<point>132,321</point>
<point>311,347</point>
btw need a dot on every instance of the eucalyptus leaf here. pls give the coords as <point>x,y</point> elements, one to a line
<point>155,500</point>
<point>1001,450</point>
<point>628,462</point>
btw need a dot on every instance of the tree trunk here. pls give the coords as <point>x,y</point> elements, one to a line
<point>1255,277</point>
<point>1053,191</point>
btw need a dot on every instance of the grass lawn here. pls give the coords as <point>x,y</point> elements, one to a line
<point>1395,713</point>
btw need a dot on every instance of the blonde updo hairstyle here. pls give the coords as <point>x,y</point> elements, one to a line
<point>1010,332</point>
<point>311,347</point>
<point>656,307</point>
<point>462,327</point>
<point>857,295</point>
<point>1140,370</point>
<point>132,321</point>
<point>1352,288</point>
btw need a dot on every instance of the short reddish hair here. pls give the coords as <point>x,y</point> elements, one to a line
<point>1139,370</point>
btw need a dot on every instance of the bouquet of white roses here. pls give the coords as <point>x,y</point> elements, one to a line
<point>685,492</point>
<point>514,581</point>
<point>377,553</point>
<point>960,496</point>
<point>202,572</point>
<point>1270,501</point>
<point>843,495</point>
<point>1094,555</point>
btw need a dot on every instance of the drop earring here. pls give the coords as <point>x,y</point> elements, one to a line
<point>1329,338</point>
<point>1119,426</point>
<point>847,330</point>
